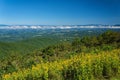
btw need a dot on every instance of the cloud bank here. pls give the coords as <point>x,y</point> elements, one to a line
<point>55,27</point>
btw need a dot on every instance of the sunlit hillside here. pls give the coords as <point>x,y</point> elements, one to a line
<point>95,57</point>
<point>84,66</point>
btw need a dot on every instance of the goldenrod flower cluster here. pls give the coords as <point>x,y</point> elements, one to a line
<point>79,67</point>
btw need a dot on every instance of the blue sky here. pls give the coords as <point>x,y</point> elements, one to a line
<point>59,12</point>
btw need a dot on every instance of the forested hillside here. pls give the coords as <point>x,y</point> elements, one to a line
<point>85,66</point>
<point>84,58</point>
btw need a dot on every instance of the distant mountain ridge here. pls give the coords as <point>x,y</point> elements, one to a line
<point>61,25</point>
<point>3,25</point>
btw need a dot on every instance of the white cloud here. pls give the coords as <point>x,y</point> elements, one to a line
<point>54,27</point>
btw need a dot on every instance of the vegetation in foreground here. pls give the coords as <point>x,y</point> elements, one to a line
<point>104,65</point>
<point>95,57</point>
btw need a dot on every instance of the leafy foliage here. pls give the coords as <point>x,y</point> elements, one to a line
<point>38,58</point>
<point>79,67</point>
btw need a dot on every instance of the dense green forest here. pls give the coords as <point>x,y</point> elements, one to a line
<point>66,60</point>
